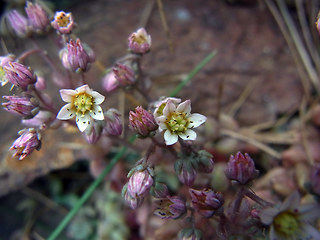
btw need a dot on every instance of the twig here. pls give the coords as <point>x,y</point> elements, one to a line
<point>146,13</point>
<point>252,141</point>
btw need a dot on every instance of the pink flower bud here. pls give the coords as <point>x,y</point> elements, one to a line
<point>94,131</point>
<point>206,202</point>
<point>18,23</point>
<point>140,183</point>
<point>26,143</point>
<point>132,202</point>
<point>38,18</point>
<point>19,75</point>
<point>109,82</point>
<point>139,41</point>
<point>26,107</point>
<point>171,207</point>
<point>124,75</point>
<point>77,57</point>
<point>186,170</point>
<point>113,122</point>
<point>205,161</point>
<point>63,22</point>
<point>142,122</point>
<point>241,168</point>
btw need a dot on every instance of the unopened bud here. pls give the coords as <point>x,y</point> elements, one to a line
<point>140,183</point>
<point>207,202</point>
<point>38,18</point>
<point>113,122</point>
<point>109,82</point>
<point>124,74</point>
<point>160,190</point>
<point>26,107</point>
<point>28,141</point>
<point>19,75</point>
<point>142,122</point>
<point>18,23</point>
<point>205,161</point>
<point>186,169</point>
<point>77,57</point>
<point>241,168</point>
<point>93,132</point>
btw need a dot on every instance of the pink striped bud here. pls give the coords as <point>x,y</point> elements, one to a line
<point>124,74</point>
<point>38,18</point>
<point>206,202</point>
<point>142,122</point>
<point>113,122</point>
<point>132,202</point>
<point>77,57</point>
<point>19,23</point>
<point>140,182</point>
<point>26,107</point>
<point>19,75</point>
<point>28,141</point>
<point>186,169</point>
<point>241,168</point>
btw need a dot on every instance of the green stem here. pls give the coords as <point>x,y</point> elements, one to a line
<point>192,73</point>
<point>114,160</point>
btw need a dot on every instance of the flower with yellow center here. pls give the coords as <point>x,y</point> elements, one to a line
<point>83,103</point>
<point>290,220</point>
<point>63,22</point>
<point>177,121</point>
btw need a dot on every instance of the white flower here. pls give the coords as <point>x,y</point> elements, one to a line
<point>83,103</point>
<point>178,122</point>
<point>290,220</point>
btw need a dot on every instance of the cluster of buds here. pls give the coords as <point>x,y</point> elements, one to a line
<point>28,141</point>
<point>187,166</point>
<point>143,122</point>
<point>77,56</point>
<point>37,20</point>
<point>139,42</point>
<point>26,106</point>
<point>138,186</point>
<point>206,202</point>
<point>241,168</point>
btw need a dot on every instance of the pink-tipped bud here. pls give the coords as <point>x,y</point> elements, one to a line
<point>19,23</point>
<point>109,82</point>
<point>93,132</point>
<point>140,183</point>
<point>171,207</point>
<point>241,168</point>
<point>19,75</point>
<point>186,169</point>
<point>77,57</point>
<point>143,122</point>
<point>139,41</point>
<point>132,202</point>
<point>63,22</point>
<point>38,18</point>
<point>124,74</point>
<point>113,122</point>
<point>28,141</point>
<point>206,202</point>
<point>26,107</point>
<point>315,180</point>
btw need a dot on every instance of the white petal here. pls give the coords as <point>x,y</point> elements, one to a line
<point>291,202</point>
<point>98,98</point>
<point>66,112</point>
<point>97,113</point>
<point>188,135</point>
<point>84,88</point>
<point>268,214</point>
<point>161,119</point>
<point>169,108</point>
<point>196,120</point>
<point>83,121</point>
<point>162,126</point>
<point>67,94</point>
<point>184,107</point>
<point>170,138</point>
<point>310,231</point>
